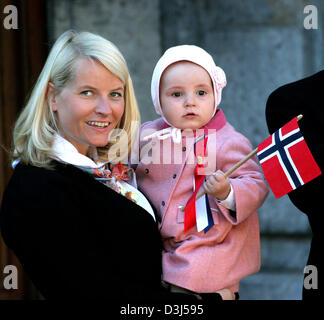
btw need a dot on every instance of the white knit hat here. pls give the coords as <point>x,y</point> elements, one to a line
<point>193,54</point>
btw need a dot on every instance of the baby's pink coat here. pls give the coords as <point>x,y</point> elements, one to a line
<point>231,249</point>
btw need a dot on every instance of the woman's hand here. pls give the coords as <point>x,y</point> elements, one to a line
<point>218,185</point>
<point>226,294</point>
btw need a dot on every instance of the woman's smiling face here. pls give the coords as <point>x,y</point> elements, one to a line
<point>90,106</point>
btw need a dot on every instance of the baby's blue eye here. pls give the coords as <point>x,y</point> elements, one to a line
<point>201,92</point>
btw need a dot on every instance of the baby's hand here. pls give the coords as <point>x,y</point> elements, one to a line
<point>218,186</point>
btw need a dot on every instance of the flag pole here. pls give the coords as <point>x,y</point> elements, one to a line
<point>237,165</point>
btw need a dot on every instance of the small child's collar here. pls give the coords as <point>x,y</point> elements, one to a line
<point>216,122</point>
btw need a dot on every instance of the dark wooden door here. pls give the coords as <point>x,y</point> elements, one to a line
<point>22,54</point>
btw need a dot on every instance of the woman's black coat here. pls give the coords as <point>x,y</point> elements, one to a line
<point>77,238</point>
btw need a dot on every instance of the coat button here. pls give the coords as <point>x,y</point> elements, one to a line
<point>147,170</point>
<point>163,203</point>
<point>184,149</point>
<point>174,176</point>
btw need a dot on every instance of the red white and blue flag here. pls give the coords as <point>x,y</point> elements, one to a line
<point>286,160</point>
<point>198,212</point>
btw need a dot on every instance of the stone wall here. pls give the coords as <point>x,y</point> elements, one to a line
<point>261,45</point>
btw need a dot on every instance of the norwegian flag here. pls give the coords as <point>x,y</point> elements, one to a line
<point>286,161</point>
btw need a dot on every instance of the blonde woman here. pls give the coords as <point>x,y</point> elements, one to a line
<point>70,211</point>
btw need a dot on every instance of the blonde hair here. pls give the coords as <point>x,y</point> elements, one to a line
<point>35,128</point>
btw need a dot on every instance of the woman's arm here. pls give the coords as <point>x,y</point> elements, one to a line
<point>76,238</point>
